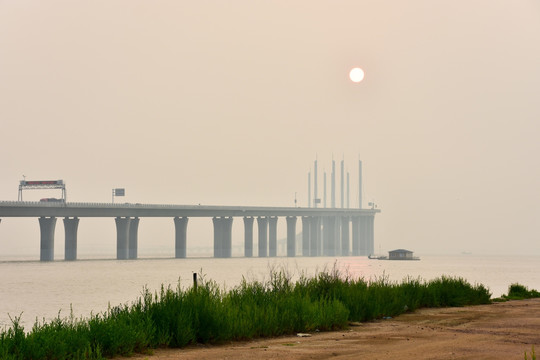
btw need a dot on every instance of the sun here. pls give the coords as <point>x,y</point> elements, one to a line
<point>356,75</point>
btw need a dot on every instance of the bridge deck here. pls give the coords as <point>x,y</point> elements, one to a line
<point>38,209</point>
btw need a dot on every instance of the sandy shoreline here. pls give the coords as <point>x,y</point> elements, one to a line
<point>497,331</point>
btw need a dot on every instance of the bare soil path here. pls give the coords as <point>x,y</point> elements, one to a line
<point>497,331</point>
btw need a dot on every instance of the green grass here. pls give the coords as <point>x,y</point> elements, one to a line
<point>208,314</point>
<point>533,355</point>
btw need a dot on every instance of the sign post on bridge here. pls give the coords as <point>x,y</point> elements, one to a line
<point>43,185</point>
<point>118,192</point>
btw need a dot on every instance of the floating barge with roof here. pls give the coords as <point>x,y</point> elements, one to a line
<point>398,254</point>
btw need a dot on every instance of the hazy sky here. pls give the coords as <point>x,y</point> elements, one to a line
<point>229,102</point>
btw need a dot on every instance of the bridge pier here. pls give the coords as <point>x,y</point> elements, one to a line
<point>262,223</point>
<point>222,237</point>
<point>248,236</point>
<point>217,236</point>
<point>46,227</point>
<point>336,224</point>
<point>329,236</point>
<point>272,236</point>
<point>363,225</point>
<point>180,243</point>
<point>70,246</point>
<point>325,235</point>
<point>133,238</point>
<point>291,236</point>
<point>355,236</point>
<point>319,237</point>
<point>370,236</point>
<point>306,230</point>
<point>315,236</point>
<point>122,237</point>
<point>335,230</point>
<point>228,237</point>
<point>344,236</point>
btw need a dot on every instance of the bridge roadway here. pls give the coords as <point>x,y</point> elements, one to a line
<point>325,231</point>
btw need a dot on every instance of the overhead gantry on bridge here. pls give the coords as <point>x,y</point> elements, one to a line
<point>325,231</point>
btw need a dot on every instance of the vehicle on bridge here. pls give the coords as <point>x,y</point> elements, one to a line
<point>52,200</point>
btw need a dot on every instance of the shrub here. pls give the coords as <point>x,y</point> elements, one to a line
<point>517,292</point>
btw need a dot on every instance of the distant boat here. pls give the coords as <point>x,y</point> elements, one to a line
<point>401,254</point>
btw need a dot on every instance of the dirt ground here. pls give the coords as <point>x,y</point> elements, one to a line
<point>497,331</point>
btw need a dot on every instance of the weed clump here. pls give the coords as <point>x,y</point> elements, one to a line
<point>519,292</point>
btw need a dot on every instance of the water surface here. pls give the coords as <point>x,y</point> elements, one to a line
<point>38,290</point>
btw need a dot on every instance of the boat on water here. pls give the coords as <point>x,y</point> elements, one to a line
<point>401,254</point>
<point>398,254</point>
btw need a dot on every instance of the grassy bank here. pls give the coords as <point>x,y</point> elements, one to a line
<point>208,314</point>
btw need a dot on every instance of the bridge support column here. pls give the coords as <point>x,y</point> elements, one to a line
<point>336,244</point>
<point>355,236</point>
<point>334,231</point>
<point>133,241</point>
<point>329,236</point>
<point>371,235</point>
<point>122,237</point>
<point>46,227</point>
<point>306,231</point>
<point>227,241</point>
<point>272,236</point>
<point>325,236</point>
<point>262,223</point>
<point>319,237</point>
<point>364,234</point>
<point>291,236</point>
<point>180,240</point>
<point>248,236</point>
<point>218,237</point>
<point>315,236</point>
<point>222,237</point>
<point>344,236</point>
<point>70,247</point>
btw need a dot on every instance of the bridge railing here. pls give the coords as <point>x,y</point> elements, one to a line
<point>88,204</point>
<point>197,208</point>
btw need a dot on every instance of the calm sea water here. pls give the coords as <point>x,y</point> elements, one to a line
<point>38,290</point>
